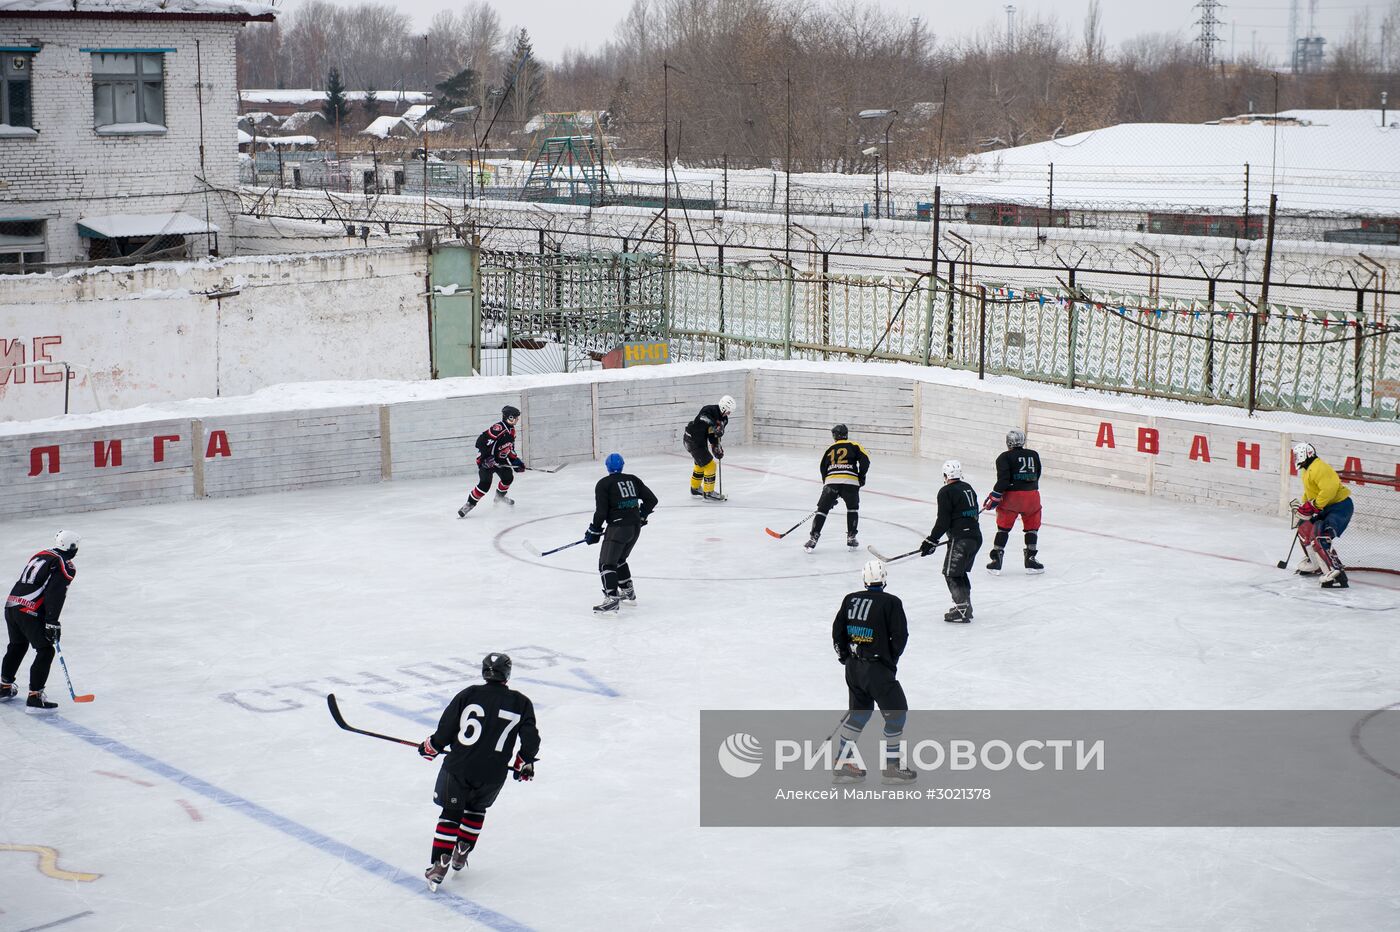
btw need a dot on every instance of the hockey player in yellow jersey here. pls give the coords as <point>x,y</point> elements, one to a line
<point>843,466</point>
<point>703,439</point>
<point>1323,516</point>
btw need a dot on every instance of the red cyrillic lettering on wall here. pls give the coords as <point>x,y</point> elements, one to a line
<point>1248,452</point>
<point>11,354</point>
<point>1148,440</point>
<point>160,443</point>
<point>1105,438</point>
<point>106,454</point>
<point>41,354</point>
<point>1200,448</point>
<point>218,444</point>
<point>37,455</point>
<point>1353,464</point>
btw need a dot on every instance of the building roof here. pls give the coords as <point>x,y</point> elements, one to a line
<point>305,95</point>
<point>385,126</point>
<point>417,112</point>
<point>282,141</point>
<point>303,120</point>
<point>1318,161</point>
<point>140,9</point>
<point>114,226</point>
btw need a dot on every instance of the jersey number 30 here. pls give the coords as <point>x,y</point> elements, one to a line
<point>472,717</point>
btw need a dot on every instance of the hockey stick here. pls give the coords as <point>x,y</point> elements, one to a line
<point>340,720</point>
<point>913,553</point>
<point>1283,564</point>
<point>550,469</point>
<point>87,697</point>
<point>535,551</point>
<point>773,533</point>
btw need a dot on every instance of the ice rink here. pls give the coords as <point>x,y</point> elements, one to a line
<point>208,788</point>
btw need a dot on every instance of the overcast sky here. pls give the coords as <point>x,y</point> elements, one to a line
<point>558,25</point>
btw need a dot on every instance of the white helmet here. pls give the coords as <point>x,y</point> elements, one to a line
<point>1015,437</point>
<point>726,405</point>
<point>1302,452</point>
<point>952,470</point>
<point>66,540</point>
<point>875,573</point>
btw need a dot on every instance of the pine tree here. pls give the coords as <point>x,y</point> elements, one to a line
<point>371,103</point>
<point>527,91</point>
<point>336,108</point>
<point>460,90</point>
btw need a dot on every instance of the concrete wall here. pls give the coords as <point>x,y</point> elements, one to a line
<point>639,411</point>
<point>154,334</point>
<point>67,170</point>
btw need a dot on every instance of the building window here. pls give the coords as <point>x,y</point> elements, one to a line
<point>21,246</point>
<point>148,247</point>
<point>15,96</point>
<point>128,88</point>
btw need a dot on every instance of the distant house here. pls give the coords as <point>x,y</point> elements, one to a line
<point>307,123</point>
<point>106,149</point>
<point>389,127</point>
<point>285,102</point>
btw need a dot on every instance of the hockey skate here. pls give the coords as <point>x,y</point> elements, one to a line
<point>713,496</point>
<point>466,509</point>
<point>436,873</point>
<point>39,704</point>
<point>695,490</point>
<point>852,543</point>
<point>628,594</point>
<point>459,854</point>
<point>609,604</point>
<point>847,773</point>
<point>959,614</point>
<point>503,499</point>
<point>1335,579</point>
<point>994,564</point>
<point>897,774</point>
<point>1033,565</point>
<point>811,544</point>
<point>8,691</point>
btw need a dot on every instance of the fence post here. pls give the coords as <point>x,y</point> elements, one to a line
<point>720,250</point>
<point>952,295</point>
<point>789,295</point>
<point>725,202</point>
<point>1073,320</point>
<point>1360,348</point>
<point>1261,307</point>
<point>826,305</point>
<point>981,331</point>
<point>68,376</point>
<point>932,276</point>
<point>1210,339</point>
<point>510,313</point>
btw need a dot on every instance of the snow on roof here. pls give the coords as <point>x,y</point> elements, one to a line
<point>433,126</point>
<point>416,112</point>
<point>112,226</point>
<point>304,119</point>
<point>238,8</point>
<point>260,117</point>
<point>1339,161</point>
<point>305,95</point>
<point>289,140</point>
<point>244,138</point>
<point>385,126</point>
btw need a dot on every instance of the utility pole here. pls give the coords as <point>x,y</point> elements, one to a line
<point>1208,37</point>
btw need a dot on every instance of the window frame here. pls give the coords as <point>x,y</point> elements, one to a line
<point>7,78</point>
<point>138,82</point>
<point>32,253</point>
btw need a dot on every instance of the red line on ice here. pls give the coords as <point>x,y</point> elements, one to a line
<point>122,776</point>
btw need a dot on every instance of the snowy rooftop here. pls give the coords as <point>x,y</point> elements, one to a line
<point>305,95</point>
<point>240,8</point>
<point>385,126</point>
<point>288,141</point>
<point>304,119</point>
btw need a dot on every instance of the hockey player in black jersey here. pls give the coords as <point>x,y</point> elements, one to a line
<point>843,467</point>
<point>703,439</point>
<point>622,503</point>
<point>495,458</point>
<point>1017,493</point>
<point>870,633</point>
<point>957,517</point>
<point>478,731</point>
<point>32,611</point>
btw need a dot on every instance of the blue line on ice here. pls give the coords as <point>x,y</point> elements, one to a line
<point>412,881</point>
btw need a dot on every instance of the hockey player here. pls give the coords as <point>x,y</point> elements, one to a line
<point>31,615</point>
<point>496,458</point>
<point>623,503</point>
<point>1323,516</point>
<point>703,439</point>
<point>1017,492</point>
<point>478,730</point>
<point>957,517</point>
<point>843,467</point>
<point>869,633</point>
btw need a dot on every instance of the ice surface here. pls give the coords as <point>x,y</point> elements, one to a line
<point>209,788</point>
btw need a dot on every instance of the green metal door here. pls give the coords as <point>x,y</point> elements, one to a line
<point>456,311</point>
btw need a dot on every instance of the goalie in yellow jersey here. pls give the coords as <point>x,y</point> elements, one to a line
<point>843,467</point>
<point>1321,517</point>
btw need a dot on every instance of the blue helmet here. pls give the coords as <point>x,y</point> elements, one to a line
<point>613,462</point>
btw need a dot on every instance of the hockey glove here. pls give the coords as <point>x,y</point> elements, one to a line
<point>992,502</point>
<point>841,656</point>
<point>644,520</point>
<point>53,631</point>
<point>719,451</point>
<point>591,537</point>
<point>927,546</point>
<point>1308,511</point>
<point>524,770</point>
<point>426,749</point>
<point>517,465</point>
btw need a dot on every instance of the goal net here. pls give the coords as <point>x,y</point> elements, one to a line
<point>1372,540</point>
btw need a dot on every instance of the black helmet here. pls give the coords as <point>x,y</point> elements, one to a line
<point>509,411</point>
<point>839,432</point>
<point>495,668</point>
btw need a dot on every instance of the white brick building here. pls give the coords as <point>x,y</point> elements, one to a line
<point>117,127</point>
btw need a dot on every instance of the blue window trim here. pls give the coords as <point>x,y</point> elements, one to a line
<point>129,51</point>
<point>26,49</point>
<point>21,219</point>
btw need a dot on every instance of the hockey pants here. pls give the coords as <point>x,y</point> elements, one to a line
<point>618,541</point>
<point>26,631</point>
<point>850,494</point>
<point>962,553</point>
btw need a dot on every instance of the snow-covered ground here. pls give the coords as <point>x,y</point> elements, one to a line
<point>206,787</point>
